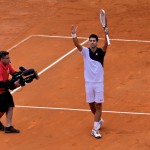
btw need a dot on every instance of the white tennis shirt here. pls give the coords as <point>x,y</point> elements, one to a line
<point>93,64</point>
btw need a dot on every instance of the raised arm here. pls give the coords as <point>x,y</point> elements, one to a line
<point>74,38</point>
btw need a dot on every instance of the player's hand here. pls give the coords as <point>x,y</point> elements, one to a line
<point>73,29</point>
<point>106,30</point>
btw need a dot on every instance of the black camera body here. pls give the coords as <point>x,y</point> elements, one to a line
<point>24,76</point>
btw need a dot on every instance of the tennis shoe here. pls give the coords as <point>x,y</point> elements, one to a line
<point>96,134</point>
<point>11,129</point>
<point>1,127</point>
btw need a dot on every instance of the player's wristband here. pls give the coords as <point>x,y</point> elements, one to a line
<point>73,35</point>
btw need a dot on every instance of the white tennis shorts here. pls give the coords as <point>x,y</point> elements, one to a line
<point>94,92</point>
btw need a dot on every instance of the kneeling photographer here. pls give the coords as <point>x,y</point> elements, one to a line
<point>18,79</point>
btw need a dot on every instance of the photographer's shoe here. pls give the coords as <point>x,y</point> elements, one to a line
<point>11,129</point>
<point>1,127</point>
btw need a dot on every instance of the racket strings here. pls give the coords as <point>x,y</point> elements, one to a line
<point>103,20</point>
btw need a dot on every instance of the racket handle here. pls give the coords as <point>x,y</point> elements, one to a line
<point>108,40</point>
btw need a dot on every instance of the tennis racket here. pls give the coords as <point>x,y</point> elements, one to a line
<point>103,21</point>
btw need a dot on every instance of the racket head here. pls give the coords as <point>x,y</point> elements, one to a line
<point>103,18</point>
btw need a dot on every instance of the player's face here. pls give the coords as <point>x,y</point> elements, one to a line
<point>93,42</point>
<point>5,60</point>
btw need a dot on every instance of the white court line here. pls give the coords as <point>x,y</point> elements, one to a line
<point>85,110</point>
<point>137,113</point>
<point>50,36</point>
<point>54,63</point>
<point>19,43</point>
<point>68,37</point>
<point>58,36</point>
<point>60,58</point>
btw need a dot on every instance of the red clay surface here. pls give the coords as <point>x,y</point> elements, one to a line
<point>127,74</point>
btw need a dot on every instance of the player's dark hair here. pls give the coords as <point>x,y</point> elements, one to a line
<point>3,54</point>
<point>93,36</point>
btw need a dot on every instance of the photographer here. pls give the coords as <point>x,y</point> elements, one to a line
<point>6,99</point>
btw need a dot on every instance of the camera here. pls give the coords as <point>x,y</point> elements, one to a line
<point>24,76</point>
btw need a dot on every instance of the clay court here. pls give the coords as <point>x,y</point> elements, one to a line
<point>51,112</point>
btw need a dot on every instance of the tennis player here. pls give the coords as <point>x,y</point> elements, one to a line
<point>93,75</point>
